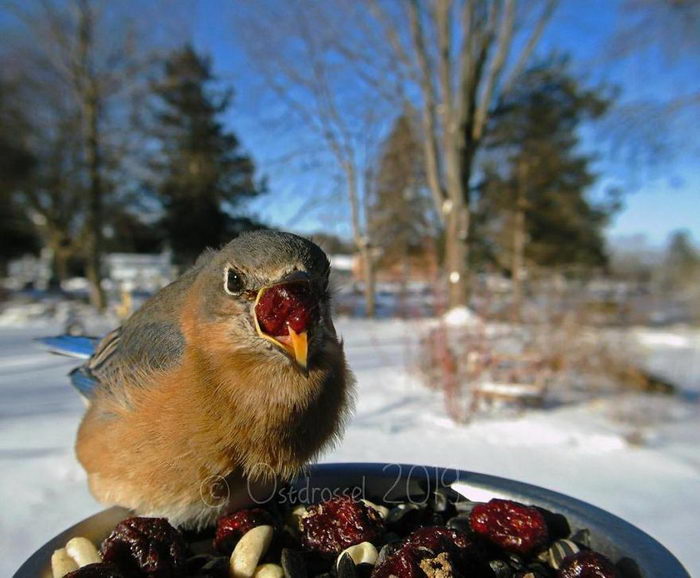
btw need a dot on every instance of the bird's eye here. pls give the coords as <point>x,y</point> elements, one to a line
<point>233,281</point>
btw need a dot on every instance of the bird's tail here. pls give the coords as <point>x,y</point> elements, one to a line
<point>70,345</point>
<point>80,348</point>
<point>82,379</point>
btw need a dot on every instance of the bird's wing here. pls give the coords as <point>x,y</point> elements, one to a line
<point>132,352</point>
<point>149,341</point>
<point>129,354</point>
<point>125,353</point>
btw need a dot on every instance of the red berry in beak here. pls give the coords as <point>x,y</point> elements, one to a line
<point>283,314</point>
<point>282,306</point>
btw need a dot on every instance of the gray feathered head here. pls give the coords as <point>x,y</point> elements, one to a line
<point>272,290</point>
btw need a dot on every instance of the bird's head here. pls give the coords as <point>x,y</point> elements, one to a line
<point>268,292</point>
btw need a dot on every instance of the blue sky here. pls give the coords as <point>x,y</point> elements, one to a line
<point>663,191</point>
<point>663,196</point>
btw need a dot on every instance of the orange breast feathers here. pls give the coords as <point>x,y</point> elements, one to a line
<point>219,411</point>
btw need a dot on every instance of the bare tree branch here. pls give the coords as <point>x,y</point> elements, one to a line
<point>323,109</point>
<point>443,10</point>
<point>531,44</point>
<point>428,110</point>
<point>465,67</point>
<point>391,32</point>
<point>505,37</point>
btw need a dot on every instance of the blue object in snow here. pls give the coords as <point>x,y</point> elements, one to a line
<point>71,345</point>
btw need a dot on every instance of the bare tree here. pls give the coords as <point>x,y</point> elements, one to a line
<point>450,59</point>
<point>80,72</point>
<point>461,55</point>
<point>309,72</point>
<point>661,38</point>
<point>43,124</point>
<point>54,202</point>
<point>670,25</point>
<point>90,87</point>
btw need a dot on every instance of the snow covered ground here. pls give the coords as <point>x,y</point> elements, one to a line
<point>578,450</point>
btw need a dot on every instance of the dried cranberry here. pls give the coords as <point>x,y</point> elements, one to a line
<point>230,528</point>
<point>510,525</point>
<point>96,571</point>
<point>338,523</point>
<point>431,551</point>
<point>439,539</point>
<point>587,564</point>
<point>146,547</point>
<point>408,562</point>
<point>283,306</point>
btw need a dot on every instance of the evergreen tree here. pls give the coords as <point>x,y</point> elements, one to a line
<point>129,233</point>
<point>16,165</point>
<point>681,266</point>
<point>534,208</point>
<point>401,217</point>
<point>203,174</point>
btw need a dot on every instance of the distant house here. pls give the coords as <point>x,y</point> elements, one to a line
<point>29,271</point>
<point>129,271</point>
<point>342,269</point>
<point>139,271</point>
<point>342,263</point>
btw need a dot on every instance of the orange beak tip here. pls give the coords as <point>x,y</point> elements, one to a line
<point>299,347</point>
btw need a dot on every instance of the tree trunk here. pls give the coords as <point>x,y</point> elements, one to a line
<point>90,96</point>
<point>518,261</point>
<point>93,263</point>
<point>360,237</point>
<point>457,256</point>
<point>60,265</point>
<point>60,252</point>
<point>459,159</point>
<point>368,273</point>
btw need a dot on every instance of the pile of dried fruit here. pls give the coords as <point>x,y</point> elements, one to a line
<point>444,536</point>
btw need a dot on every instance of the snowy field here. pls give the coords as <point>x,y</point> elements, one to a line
<point>578,450</point>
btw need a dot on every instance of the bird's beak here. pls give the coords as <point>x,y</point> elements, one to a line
<point>295,344</point>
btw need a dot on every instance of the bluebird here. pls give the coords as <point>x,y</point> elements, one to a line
<point>223,383</point>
